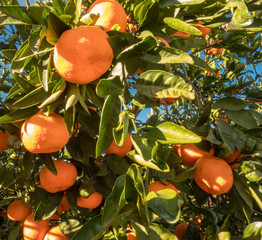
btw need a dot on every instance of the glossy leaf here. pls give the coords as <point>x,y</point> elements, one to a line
<point>165,203</point>
<point>167,55</point>
<point>58,25</point>
<point>183,176</point>
<point>109,120</point>
<point>200,63</point>
<point>162,84</point>
<point>229,103</point>
<point>69,227</point>
<point>16,12</point>
<point>26,85</point>
<point>28,164</point>
<point>243,118</point>
<point>182,26</point>
<point>170,133</point>
<point>93,229</point>
<point>34,97</point>
<point>48,161</point>
<point>18,115</point>
<point>253,231</point>
<point>109,86</point>
<point>48,205</point>
<point>138,49</point>
<point>115,202</point>
<point>73,95</point>
<point>159,166</point>
<point>167,3</point>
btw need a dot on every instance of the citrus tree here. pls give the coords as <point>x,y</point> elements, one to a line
<point>82,157</point>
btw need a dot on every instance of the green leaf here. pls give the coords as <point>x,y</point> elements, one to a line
<point>73,8</point>
<point>252,170</point>
<point>112,85</point>
<point>43,70</point>
<point>150,15</point>
<point>109,120</point>
<point>253,231</point>
<point>117,164</point>
<point>26,85</point>
<point>28,164</point>
<point>16,12</point>
<point>170,133</point>
<point>159,166</point>
<point>138,49</point>
<point>165,203</point>
<point>73,95</point>
<point>243,118</point>
<point>34,97</point>
<point>13,235</point>
<point>59,6</point>
<point>183,176</point>
<point>48,161</point>
<point>180,25</point>
<point>58,25</point>
<point>171,3</point>
<point>229,103</point>
<point>162,84</point>
<point>59,89</point>
<point>9,53</point>
<point>167,55</point>
<point>200,63</point>
<point>90,123</point>
<point>18,115</point>
<point>48,205</point>
<point>69,117</point>
<point>115,202</point>
<point>93,229</point>
<point>143,146</point>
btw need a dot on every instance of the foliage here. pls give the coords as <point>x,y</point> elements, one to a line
<point>221,101</point>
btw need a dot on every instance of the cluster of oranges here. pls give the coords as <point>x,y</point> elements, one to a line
<point>213,174</point>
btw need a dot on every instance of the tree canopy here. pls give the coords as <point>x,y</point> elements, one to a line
<point>194,64</point>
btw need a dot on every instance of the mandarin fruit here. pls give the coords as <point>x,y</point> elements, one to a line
<point>17,211</point>
<point>190,153</point>
<point>204,30</point>
<point>166,101</point>
<point>63,205</point>
<point>93,201</point>
<point>55,234</point>
<point>34,230</point>
<point>121,151</point>
<point>213,175</point>
<point>110,13</point>
<point>83,54</point>
<point>180,230</point>
<point>131,236</point>
<point>179,34</point>
<point>44,134</point>
<point>65,178</point>
<point>157,186</point>
<point>3,140</point>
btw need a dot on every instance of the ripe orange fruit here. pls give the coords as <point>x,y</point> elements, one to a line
<point>34,230</point>
<point>180,34</point>
<point>157,186</point>
<point>204,30</point>
<point>83,54</point>
<point>162,40</point>
<point>215,51</point>
<point>17,211</point>
<point>190,153</point>
<point>131,236</point>
<point>44,134</point>
<point>235,155</point>
<point>3,140</point>
<point>121,151</point>
<point>213,175</point>
<point>65,178</point>
<point>55,234</point>
<point>111,13</point>
<point>180,230</point>
<point>64,205</point>
<point>93,201</point>
<point>167,101</point>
